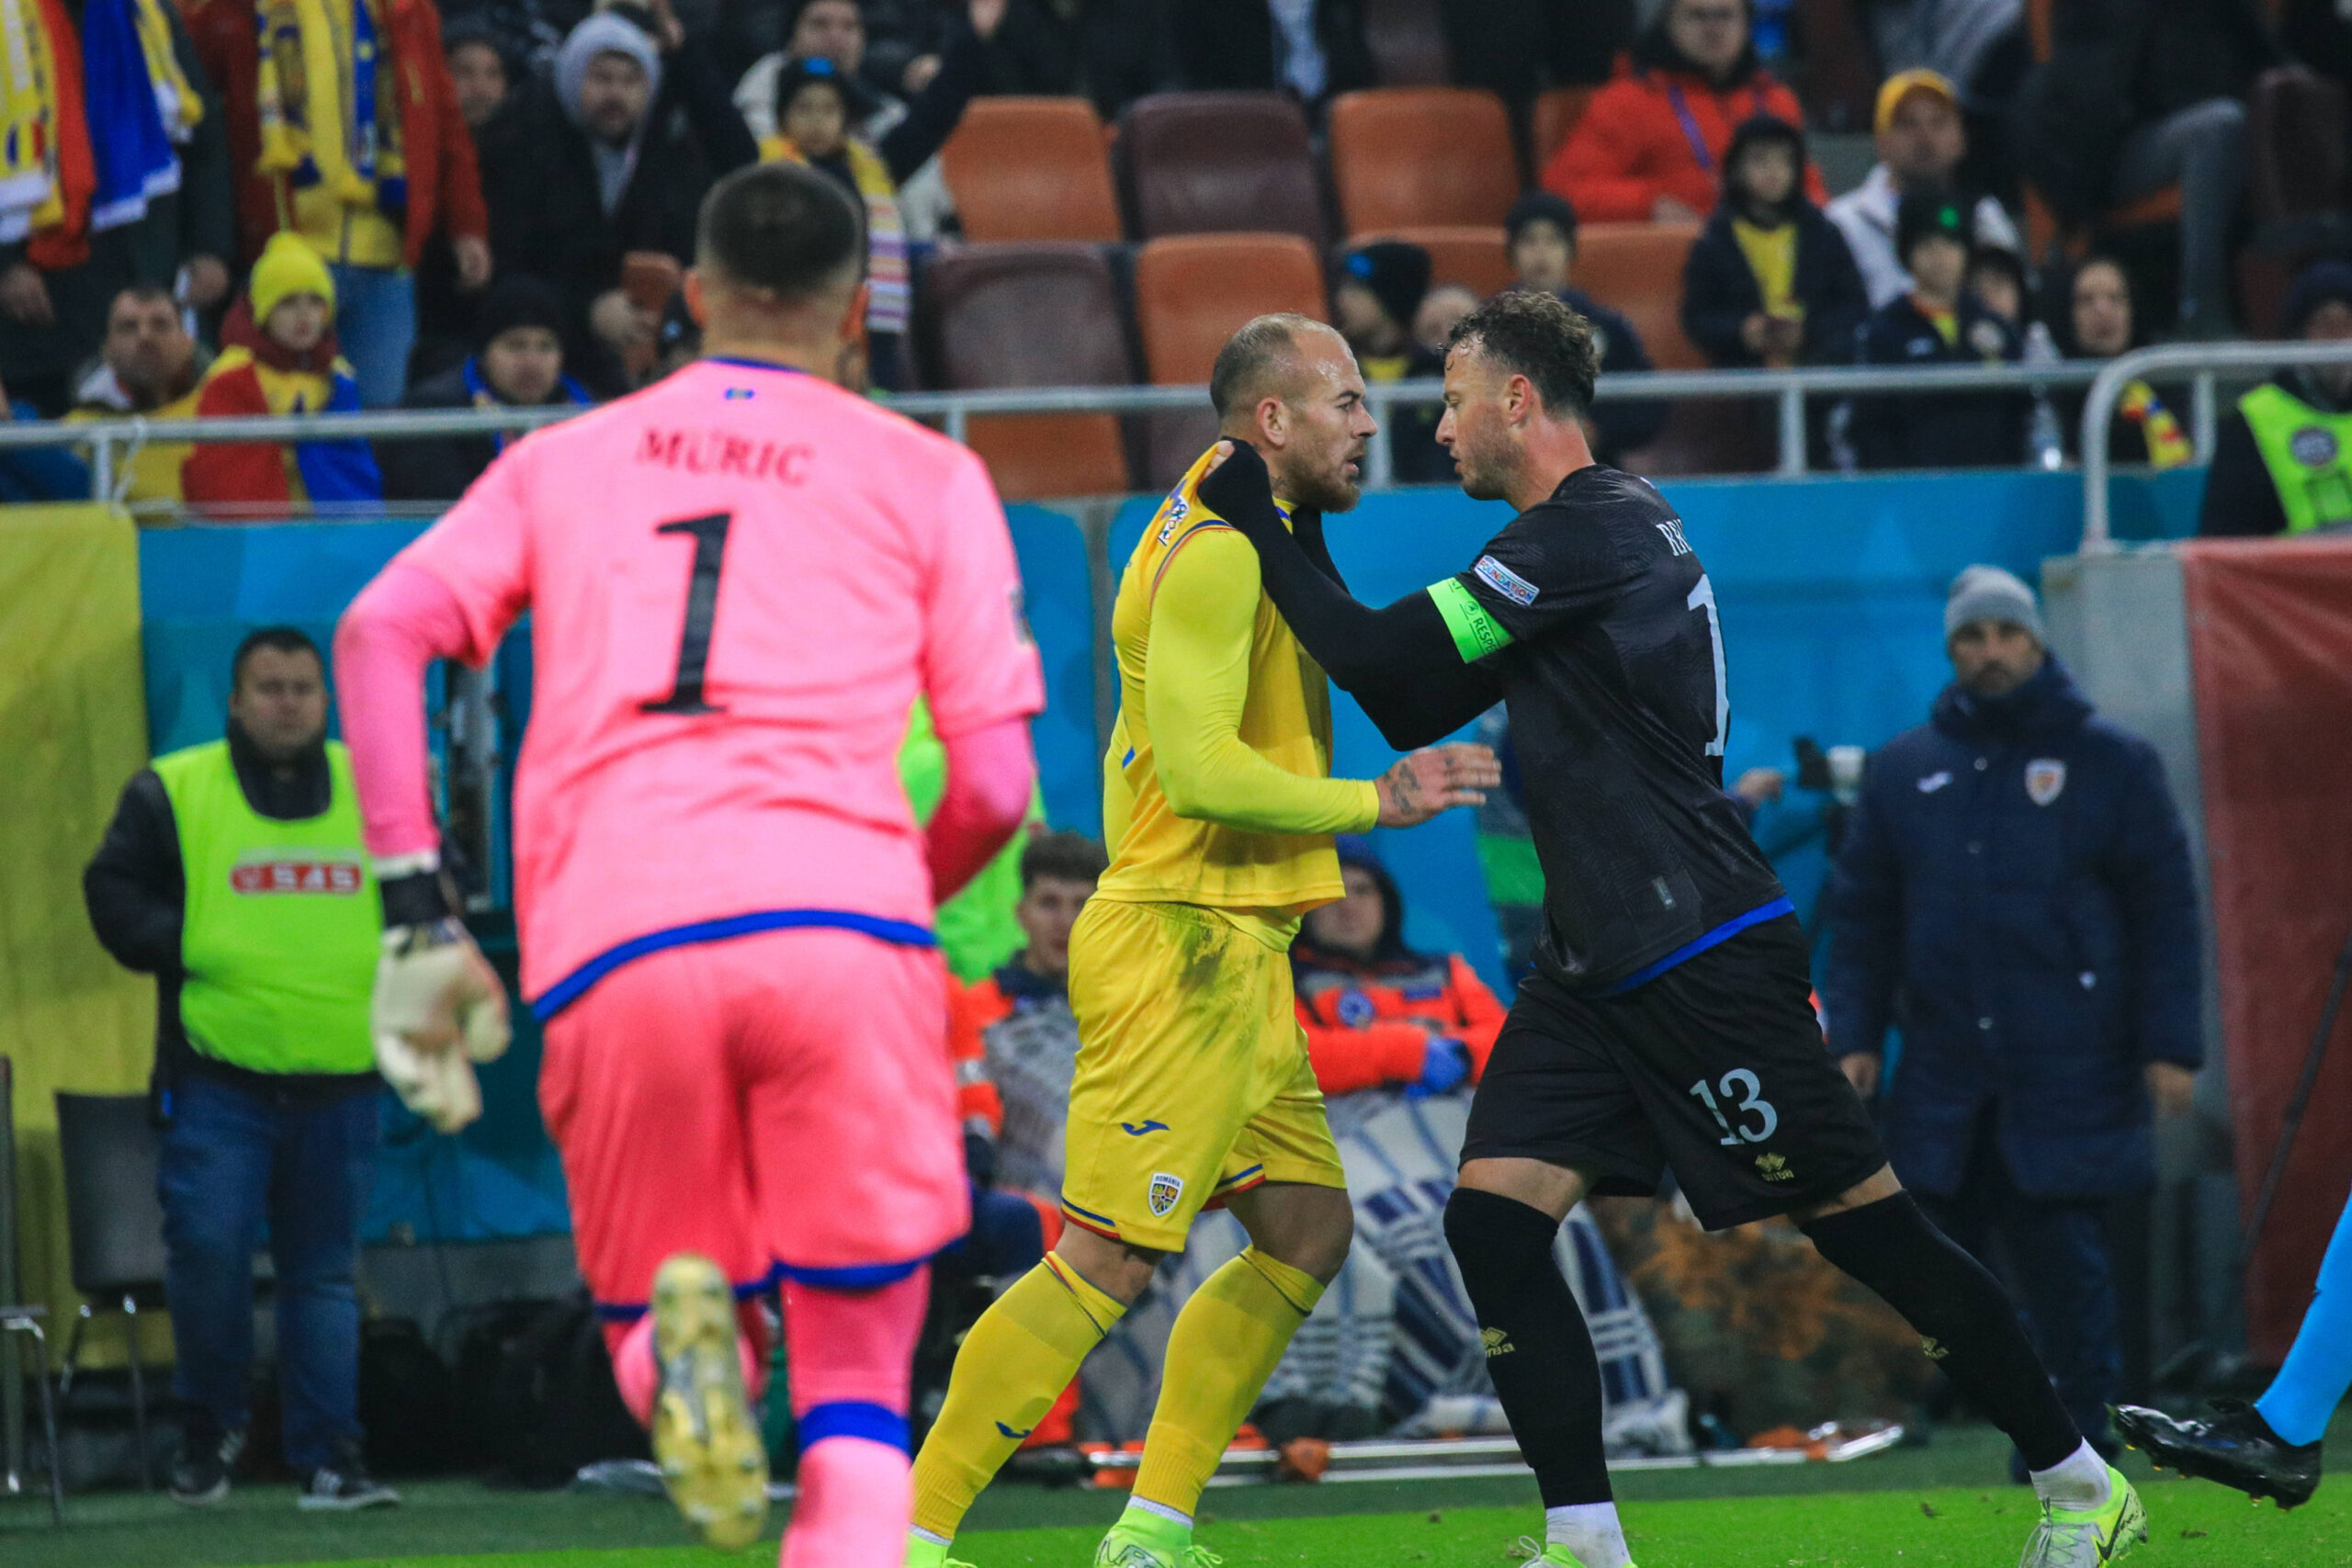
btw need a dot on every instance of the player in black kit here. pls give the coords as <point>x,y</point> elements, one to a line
<point>1668,1021</point>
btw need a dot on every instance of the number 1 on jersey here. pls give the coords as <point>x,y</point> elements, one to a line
<point>702,606</point>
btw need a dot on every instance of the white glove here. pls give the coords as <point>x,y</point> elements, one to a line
<point>438,1008</point>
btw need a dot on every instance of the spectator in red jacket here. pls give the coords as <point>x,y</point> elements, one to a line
<point>1651,145</point>
<point>1377,1014</point>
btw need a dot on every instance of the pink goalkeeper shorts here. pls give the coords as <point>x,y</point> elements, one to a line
<point>781,1102</point>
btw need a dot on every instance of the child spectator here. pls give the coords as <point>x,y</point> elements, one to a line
<point>1378,291</point>
<point>1377,1014</point>
<point>1541,233</point>
<point>1651,146</point>
<point>1770,281</point>
<point>279,358</point>
<point>517,363</point>
<point>816,104</point>
<point>1997,280</point>
<point>1440,308</point>
<point>1938,323</point>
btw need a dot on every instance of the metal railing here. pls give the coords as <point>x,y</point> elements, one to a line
<point>110,442</point>
<point>2205,361</point>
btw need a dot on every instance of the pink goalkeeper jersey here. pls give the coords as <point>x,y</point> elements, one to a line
<point>740,580</point>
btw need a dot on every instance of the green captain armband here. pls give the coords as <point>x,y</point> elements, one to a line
<point>1476,633</point>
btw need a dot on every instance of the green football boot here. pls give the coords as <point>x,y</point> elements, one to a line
<point>1145,1540</point>
<point>1554,1555</point>
<point>2088,1537</point>
<point>925,1553</point>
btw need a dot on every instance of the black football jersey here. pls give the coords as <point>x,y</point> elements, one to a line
<point>1599,621</point>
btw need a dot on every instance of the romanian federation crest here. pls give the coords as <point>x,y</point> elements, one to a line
<point>2046,779</point>
<point>1164,1193</point>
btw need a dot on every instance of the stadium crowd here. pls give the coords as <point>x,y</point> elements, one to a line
<point>491,203</point>
<point>378,203</point>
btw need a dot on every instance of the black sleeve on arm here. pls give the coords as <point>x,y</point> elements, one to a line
<point>1355,644</point>
<point>934,113</point>
<point>133,887</point>
<point>1421,710</point>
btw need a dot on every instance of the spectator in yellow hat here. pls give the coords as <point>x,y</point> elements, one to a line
<point>278,357</point>
<point>1921,143</point>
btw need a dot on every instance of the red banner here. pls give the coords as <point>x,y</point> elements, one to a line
<point>2271,645</point>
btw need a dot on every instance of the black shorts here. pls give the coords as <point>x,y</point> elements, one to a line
<point>1716,1069</point>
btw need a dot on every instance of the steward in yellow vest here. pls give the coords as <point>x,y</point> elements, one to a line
<point>235,873</point>
<point>2282,460</point>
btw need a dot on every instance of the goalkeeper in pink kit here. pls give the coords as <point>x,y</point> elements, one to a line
<point>741,581</point>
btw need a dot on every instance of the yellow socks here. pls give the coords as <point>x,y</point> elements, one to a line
<point>1222,1350</point>
<point>1011,1368</point>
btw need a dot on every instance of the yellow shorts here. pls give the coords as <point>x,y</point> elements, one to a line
<point>1192,1079</point>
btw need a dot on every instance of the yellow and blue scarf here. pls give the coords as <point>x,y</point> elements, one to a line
<point>325,93</point>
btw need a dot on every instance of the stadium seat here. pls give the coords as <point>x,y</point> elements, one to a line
<point>1219,163</point>
<point>1041,315</point>
<point>1637,267</point>
<point>1407,42</point>
<point>1409,157</point>
<point>1028,169</point>
<point>1476,257</point>
<point>1558,109</point>
<point>1194,291</point>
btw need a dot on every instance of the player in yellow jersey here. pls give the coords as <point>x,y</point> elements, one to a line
<point>1192,1083</point>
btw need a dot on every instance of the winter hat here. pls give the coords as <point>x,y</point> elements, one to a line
<point>2315,286</point>
<point>1539,206</point>
<point>856,104</point>
<point>1926,212</point>
<point>1989,594</point>
<point>287,267</point>
<point>1901,86</point>
<point>1396,273</point>
<point>517,300</point>
<point>603,33</point>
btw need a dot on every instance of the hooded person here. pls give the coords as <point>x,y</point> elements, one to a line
<point>1769,280</point>
<point>592,164</point>
<point>2282,457</point>
<point>517,362</point>
<point>279,356</point>
<point>1378,1014</point>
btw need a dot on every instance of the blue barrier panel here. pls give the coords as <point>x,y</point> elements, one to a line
<point>1057,584</point>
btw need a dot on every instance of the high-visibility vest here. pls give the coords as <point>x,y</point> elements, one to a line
<point>2309,454</point>
<point>283,923</point>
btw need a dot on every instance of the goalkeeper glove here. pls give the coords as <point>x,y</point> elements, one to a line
<point>438,1008</point>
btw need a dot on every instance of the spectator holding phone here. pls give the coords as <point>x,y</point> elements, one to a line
<point>1770,281</point>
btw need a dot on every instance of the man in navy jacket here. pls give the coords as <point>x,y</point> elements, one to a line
<point>2015,892</point>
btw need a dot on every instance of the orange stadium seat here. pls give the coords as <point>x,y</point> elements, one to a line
<point>1407,39</point>
<point>1219,163</point>
<point>1027,169</point>
<point>1474,256</point>
<point>1044,315</point>
<point>1637,267</point>
<point>1407,157</point>
<point>1194,291</point>
<point>1558,109</point>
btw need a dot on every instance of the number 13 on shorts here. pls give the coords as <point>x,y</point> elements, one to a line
<point>1743,1093</point>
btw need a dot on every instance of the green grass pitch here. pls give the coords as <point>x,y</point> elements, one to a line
<point>1948,1506</point>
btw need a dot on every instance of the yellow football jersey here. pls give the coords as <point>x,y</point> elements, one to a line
<point>1259,839</point>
